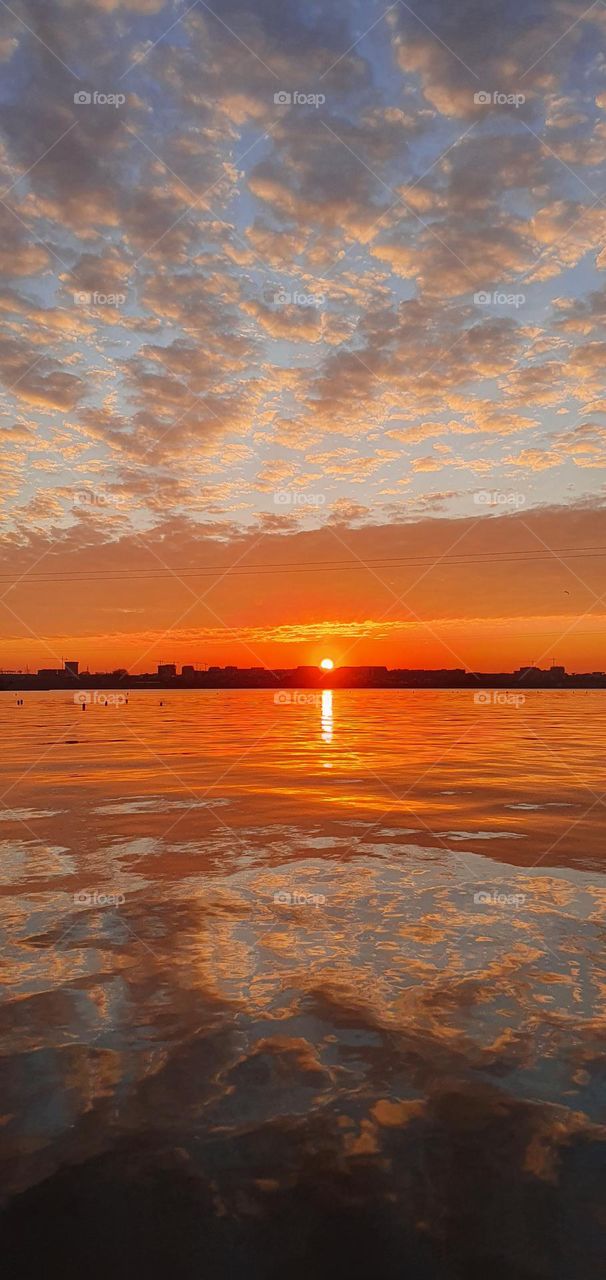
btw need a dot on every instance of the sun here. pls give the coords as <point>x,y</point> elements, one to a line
<point>327,664</point>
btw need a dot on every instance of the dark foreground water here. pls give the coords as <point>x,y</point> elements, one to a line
<point>305,989</point>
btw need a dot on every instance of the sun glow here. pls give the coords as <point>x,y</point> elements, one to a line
<point>327,664</point>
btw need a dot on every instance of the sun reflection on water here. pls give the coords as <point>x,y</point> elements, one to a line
<point>327,715</point>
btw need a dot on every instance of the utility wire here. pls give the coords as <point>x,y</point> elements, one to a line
<point>460,560</point>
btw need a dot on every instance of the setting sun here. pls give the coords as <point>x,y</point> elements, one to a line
<point>327,664</point>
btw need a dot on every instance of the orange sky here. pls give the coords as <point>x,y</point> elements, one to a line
<point>492,593</point>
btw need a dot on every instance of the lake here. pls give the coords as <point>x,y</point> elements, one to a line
<point>313,985</point>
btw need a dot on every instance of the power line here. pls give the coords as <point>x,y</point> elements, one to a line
<point>460,560</point>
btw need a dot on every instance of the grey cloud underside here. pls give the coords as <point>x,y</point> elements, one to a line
<point>199,202</point>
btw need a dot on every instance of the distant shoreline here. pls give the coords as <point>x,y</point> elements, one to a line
<point>422,680</point>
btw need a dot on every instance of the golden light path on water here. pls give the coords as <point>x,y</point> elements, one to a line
<point>227,916</point>
<point>327,715</point>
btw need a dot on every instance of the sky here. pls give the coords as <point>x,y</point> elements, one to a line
<point>303,333</point>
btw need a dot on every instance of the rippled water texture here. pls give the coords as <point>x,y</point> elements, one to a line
<point>313,988</point>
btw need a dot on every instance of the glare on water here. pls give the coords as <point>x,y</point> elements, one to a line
<point>226,913</point>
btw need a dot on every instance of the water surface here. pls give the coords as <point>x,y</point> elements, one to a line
<point>309,985</point>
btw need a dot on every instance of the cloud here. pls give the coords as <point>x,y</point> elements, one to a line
<point>456,54</point>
